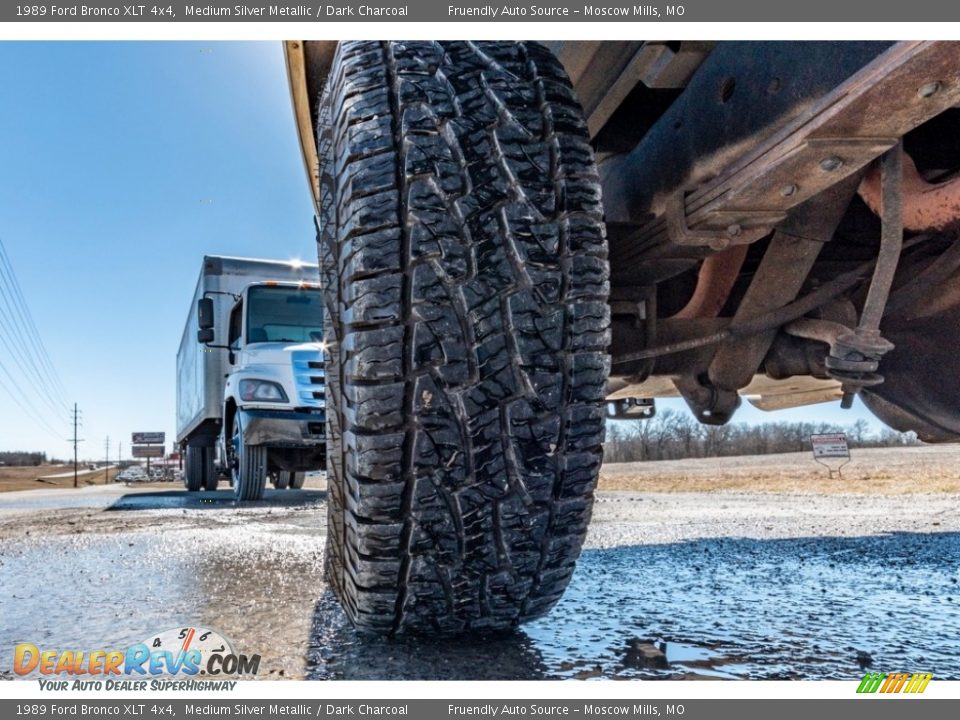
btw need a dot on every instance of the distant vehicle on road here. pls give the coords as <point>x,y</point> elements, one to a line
<point>250,376</point>
<point>132,474</point>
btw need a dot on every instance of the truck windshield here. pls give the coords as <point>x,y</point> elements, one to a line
<point>284,314</point>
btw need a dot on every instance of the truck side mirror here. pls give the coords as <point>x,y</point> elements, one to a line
<point>205,335</point>
<point>205,314</point>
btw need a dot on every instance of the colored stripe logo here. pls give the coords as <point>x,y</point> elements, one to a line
<point>894,683</point>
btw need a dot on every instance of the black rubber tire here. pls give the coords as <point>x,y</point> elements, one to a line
<point>297,480</point>
<point>463,257</point>
<point>281,480</point>
<point>250,473</point>
<point>210,477</point>
<point>193,472</point>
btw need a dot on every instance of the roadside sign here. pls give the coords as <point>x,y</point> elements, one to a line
<point>148,451</point>
<point>832,445</point>
<point>149,438</point>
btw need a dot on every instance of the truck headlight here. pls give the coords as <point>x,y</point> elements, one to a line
<point>261,391</point>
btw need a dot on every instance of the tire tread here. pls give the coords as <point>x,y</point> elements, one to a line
<point>464,263</point>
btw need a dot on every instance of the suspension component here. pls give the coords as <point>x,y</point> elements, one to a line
<point>854,357</point>
<point>631,409</point>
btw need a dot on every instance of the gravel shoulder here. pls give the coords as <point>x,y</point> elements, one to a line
<point>732,583</point>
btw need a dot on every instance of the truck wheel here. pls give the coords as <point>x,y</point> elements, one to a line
<point>463,256</point>
<point>193,477</point>
<point>281,481</point>
<point>249,467</point>
<point>210,478</point>
<point>296,480</point>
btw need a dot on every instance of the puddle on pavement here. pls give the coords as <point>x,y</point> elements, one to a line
<point>736,608</point>
<point>47,500</point>
<point>725,608</point>
<point>254,579</point>
<point>219,499</point>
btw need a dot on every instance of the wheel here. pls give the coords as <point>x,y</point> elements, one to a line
<point>248,466</point>
<point>193,477</point>
<point>463,259</point>
<point>281,480</point>
<point>296,480</point>
<point>210,476</point>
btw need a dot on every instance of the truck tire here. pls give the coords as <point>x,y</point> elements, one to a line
<point>297,479</point>
<point>281,481</point>
<point>210,476</point>
<point>249,467</point>
<point>464,261</point>
<point>193,477</point>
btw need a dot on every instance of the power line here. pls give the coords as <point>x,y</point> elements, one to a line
<point>35,339</point>
<point>35,348</point>
<point>16,354</point>
<point>32,371</point>
<point>28,354</point>
<point>26,405</point>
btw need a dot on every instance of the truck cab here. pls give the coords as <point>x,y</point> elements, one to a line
<point>258,378</point>
<point>274,392</point>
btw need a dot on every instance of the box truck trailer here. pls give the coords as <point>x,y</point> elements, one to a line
<point>250,377</point>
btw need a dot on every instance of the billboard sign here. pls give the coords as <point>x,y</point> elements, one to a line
<point>148,451</point>
<point>149,438</point>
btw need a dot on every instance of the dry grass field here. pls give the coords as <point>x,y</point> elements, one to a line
<point>879,471</point>
<point>38,478</point>
<point>876,471</point>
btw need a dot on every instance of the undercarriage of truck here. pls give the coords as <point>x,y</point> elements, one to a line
<point>514,238</point>
<point>784,230</point>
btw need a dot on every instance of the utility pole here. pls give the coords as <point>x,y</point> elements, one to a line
<point>75,417</point>
<point>106,467</point>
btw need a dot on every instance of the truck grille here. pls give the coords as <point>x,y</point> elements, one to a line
<point>310,378</point>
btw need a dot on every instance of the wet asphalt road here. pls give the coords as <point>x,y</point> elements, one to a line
<point>733,585</point>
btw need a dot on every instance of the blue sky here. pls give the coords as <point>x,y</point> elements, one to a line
<point>121,165</point>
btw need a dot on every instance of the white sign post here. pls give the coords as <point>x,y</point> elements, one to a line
<point>830,445</point>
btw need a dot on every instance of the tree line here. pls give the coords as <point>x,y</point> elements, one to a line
<point>672,435</point>
<point>21,458</point>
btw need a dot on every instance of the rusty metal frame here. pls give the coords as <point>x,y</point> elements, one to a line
<point>833,138</point>
<point>926,206</point>
<point>715,280</point>
<point>604,73</point>
<point>734,234</point>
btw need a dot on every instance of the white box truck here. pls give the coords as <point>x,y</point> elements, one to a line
<point>250,376</point>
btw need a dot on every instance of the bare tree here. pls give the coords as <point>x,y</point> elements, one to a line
<point>672,434</point>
